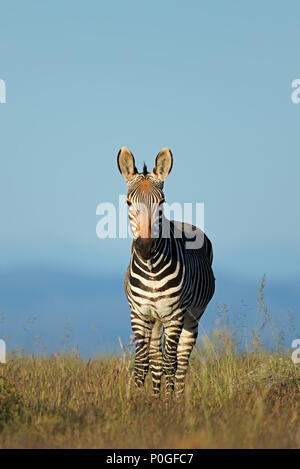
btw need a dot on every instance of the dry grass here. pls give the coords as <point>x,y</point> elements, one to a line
<point>232,401</point>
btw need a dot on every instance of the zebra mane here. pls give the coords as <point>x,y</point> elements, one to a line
<point>145,170</point>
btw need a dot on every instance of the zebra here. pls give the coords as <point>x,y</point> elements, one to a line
<point>168,286</point>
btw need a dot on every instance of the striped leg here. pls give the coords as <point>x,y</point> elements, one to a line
<point>187,341</point>
<point>172,335</point>
<point>142,335</point>
<point>155,357</point>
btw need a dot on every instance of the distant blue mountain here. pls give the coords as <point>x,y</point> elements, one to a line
<point>45,311</point>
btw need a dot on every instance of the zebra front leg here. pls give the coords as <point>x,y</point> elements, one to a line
<point>172,335</point>
<point>155,357</point>
<point>186,343</point>
<point>142,334</point>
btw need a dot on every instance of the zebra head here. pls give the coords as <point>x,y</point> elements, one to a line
<point>144,198</point>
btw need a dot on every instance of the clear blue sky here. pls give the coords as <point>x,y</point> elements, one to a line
<point>211,80</point>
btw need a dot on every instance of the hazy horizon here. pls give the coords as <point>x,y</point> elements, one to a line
<point>44,311</point>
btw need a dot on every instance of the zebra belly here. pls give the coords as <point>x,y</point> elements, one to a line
<point>156,310</point>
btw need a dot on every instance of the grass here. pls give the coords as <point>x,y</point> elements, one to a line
<point>233,399</point>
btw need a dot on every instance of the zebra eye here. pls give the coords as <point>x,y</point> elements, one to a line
<point>128,203</point>
<point>161,201</point>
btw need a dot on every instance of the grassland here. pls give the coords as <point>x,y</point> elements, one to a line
<point>234,399</point>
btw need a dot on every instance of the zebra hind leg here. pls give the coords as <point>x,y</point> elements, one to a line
<point>186,343</point>
<point>155,357</point>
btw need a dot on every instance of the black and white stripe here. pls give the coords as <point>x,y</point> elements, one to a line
<point>167,286</point>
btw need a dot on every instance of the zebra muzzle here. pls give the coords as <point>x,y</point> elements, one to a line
<point>145,247</point>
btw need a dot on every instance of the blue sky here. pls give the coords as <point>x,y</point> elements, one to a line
<point>210,80</point>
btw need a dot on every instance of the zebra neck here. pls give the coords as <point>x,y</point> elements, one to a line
<point>162,255</point>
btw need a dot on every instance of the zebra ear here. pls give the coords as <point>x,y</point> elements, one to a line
<point>163,164</point>
<point>126,164</point>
